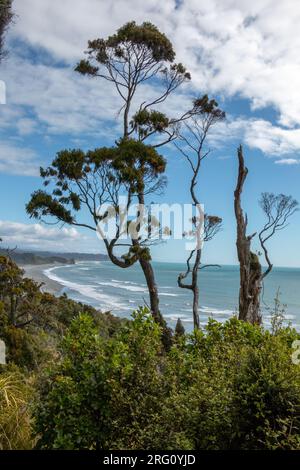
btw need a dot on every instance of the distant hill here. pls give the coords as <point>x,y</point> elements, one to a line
<point>48,257</point>
<point>76,256</point>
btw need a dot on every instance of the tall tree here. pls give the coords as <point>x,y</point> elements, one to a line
<point>134,55</point>
<point>192,145</point>
<point>6,16</point>
<point>137,54</point>
<point>277,210</point>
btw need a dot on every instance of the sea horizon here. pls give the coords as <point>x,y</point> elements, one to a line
<point>121,291</point>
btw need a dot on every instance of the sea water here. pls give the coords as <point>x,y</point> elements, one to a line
<point>110,288</point>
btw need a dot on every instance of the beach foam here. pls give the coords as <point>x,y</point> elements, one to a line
<point>95,283</point>
<point>106,302</point>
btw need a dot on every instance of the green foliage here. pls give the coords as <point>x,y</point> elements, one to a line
<point>144,35</point>
<point>231,387</point>
<point>15,291</point>
<point>10,275</point>
<point>144,38</point>
<point>135,253</point>
<point>127,59</point>
<point>136,163</point>
<point>208,107</point>
<point>101,387</point>
<point>22,348</point>
<point>267,387</point>
<point>43,204</point>
<point>149,122</point>
<point>103,383</point>
<point>130,164</point>
<point>179,329</point>
<point>32,323</point>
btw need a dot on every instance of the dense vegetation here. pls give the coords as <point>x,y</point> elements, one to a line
<point>32,325</point>
<point>79,379</point>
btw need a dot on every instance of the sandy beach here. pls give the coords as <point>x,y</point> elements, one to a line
<point>36,272</point>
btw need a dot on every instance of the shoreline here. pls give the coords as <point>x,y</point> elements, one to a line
<point>36,273</point>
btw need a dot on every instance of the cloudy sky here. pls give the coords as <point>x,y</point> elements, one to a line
<point>244,53</point>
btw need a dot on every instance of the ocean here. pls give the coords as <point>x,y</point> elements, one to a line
<point>121,291</point>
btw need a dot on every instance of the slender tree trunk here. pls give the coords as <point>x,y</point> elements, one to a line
<point>196,308</point>
<point>148,270</point>
<point>153,291</point>
<point>154,302</point>
<point>195,290</point>
<point>193,286</point>
<point>250,267</point>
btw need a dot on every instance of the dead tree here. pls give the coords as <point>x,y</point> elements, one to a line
<point>212,225</point>
<point>277,209</point>
<point>191,144</point>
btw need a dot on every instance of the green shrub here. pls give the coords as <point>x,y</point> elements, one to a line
<point>102,392</point>
<point>232,386</point>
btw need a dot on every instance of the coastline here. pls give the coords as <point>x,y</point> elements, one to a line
<point>36,272</point>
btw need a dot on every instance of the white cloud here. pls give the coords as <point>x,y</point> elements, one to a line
<point>288,161</point>
<point>232,47</point>
<point>63,28</point>
<point>26,126</point>
<point>17,160</point>
<point>61,100</point>
<point>37,236</point>
<point>246,48</point>
<point>260,134</point>
<point>271,139</point>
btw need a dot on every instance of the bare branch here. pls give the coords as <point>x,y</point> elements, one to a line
<point>277,209</point>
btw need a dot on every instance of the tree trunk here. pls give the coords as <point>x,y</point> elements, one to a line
<point>250,289</point>
<point>195,289</point>
<point>152,289</point>
<point>193,285</point>
<point>154,302</point>
<point>149,275</point>
<point>250,267</point>
<point>196,308</point>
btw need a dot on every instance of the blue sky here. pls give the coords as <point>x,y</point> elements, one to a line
<point>244,54</point>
